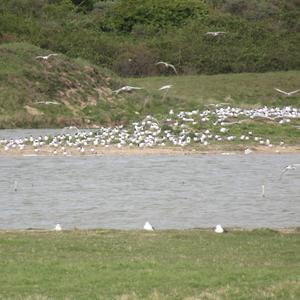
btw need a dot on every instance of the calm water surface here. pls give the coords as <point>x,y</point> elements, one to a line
<point>170,191</point>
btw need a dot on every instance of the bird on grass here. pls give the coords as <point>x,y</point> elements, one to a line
<point>127,88</point>
<point>148,227</point>
<point>57,227</point>
<point>219,229</point>
<point>215,33</point>
<point>287,93</point>
<point>167,65</point>
<point>288,168</point>
<point>46,57</point>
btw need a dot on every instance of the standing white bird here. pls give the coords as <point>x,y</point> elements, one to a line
<point>288,168</point>
<point>15,185</point>
<point>219,229</point>
<point>127,88</point>
<point>148,226</point>
<point>287,93</point>
<point>263,190</point>
<point>167,65</point>
<point>46,57</point>
<point>215,33</point>
<point>57,227</point>
<point>248,151</point>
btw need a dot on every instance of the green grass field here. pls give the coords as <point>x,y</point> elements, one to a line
<point>190,264</point>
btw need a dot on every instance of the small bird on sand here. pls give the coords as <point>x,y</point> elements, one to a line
<point>127,88</point>
<point>148,227</point>
<point>219,229</point>
<point>167,65</point>
<point>46,57</point>
<point>287,93</point>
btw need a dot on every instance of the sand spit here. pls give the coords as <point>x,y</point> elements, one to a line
<point>113,150</point>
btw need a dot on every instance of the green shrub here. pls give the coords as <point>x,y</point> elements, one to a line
<point>126,14</point>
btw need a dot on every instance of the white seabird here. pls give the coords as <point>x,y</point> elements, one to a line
<point>127,88</point>
<point>287,93</point>
<point>48,102</point>
<point>247,151</point>
<point>219,229</point>
<point>165,87</point>
<point>46,57</point>
<point>288,168</point>
<point>215,33</point>
<point>167,65</point>
<point>148,226</point>
<point>57,227</point>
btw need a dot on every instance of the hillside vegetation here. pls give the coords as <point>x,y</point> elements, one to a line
<point>130,36</point>
<point>76,87</point>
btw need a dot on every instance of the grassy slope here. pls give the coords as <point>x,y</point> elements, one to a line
<point>24,80</point>
<point>83,91</point>
<point>251,89</point>
<point>106,264</point>
<point>84,94</point>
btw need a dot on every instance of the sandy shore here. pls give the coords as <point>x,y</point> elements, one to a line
<point>113,150</point>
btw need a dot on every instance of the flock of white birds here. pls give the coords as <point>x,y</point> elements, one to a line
<point>148,227</point>
<point>177,129</point>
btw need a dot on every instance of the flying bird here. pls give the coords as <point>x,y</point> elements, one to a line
<point>287,93</point>
<point>167,65</point>
<point>46,57</point>
<point>127,88</point>
<point>165,87</point>
<point>215,33</point>
<point>48,102</point>
<point>288,168</point>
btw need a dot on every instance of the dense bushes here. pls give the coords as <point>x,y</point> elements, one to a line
<point>129,36</point>
<point>125,15</point>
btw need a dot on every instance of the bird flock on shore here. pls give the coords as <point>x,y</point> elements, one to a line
<point>181,129</point>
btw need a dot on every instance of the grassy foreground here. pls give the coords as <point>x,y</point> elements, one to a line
<point>192,264</point>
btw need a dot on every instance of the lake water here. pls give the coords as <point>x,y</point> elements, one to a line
<point>122,192</point>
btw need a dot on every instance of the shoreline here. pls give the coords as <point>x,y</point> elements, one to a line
<point>127,151</point>
<point>291,229</point>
